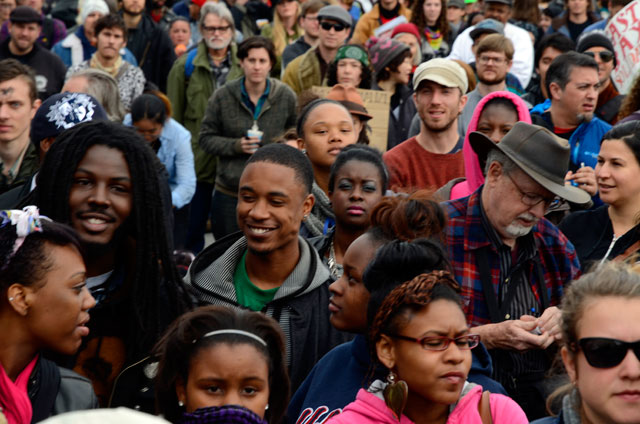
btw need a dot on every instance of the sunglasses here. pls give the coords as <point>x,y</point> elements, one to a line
<point>606,353</point>
<point>605,55</point>
<point>328,25</point>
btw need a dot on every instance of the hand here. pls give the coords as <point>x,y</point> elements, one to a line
<point>551,322</point>
<point>514,335</point>
<point>585,177</point>
<point>249,145</point>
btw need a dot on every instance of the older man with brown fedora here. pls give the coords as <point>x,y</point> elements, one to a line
<point>511,263</point>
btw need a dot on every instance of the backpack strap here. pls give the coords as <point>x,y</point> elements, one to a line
<point>484,408</point>
<point>188,64</point>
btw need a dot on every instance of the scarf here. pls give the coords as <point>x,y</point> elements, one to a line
<point>14,398</point>
<point>227,414</point>
<point>111,70</point>
<point>321,218</point>
<point>434,37</point>
<point>571,408</point>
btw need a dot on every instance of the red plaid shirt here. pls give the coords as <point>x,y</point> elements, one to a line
<point>465,234</point>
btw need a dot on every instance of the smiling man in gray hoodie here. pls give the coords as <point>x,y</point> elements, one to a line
<point>267,266</point>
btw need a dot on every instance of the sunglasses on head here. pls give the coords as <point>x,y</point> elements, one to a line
<point>601,352</point>
<point>328,25</point>
<point>605,55</point>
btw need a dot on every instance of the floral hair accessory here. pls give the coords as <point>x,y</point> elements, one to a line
<point>26,221</point>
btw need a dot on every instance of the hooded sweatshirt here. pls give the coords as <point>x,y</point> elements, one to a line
<point>369,408</point>
<point>337,377</point>
<point>473,171</point>
<point>300,305</point>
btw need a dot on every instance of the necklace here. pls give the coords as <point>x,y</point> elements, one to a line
<point>335,268</point>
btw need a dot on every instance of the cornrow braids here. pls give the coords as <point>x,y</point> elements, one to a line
<point>146,224</point>
<point>414,294</point>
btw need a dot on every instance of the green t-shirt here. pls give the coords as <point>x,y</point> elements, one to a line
<point>247,294</point>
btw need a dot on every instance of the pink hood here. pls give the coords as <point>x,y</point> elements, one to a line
<point>370,409</point>
<point>473,173</point>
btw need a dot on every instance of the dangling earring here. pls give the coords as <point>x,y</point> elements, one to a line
<point>180,403</point>
<point>396,394</point>
<point>266,407</point>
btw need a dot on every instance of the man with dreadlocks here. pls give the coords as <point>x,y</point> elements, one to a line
<point>109,191</point>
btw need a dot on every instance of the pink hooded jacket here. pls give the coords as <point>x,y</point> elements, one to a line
<point>370,409</point>
<point>473,173</point>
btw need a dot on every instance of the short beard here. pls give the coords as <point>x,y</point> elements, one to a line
<point>515,230</point>
<point>491,82</point>
<point>439,129</point>
<point>584,117</point>
<point>222,45</point>
<point>130,13</point>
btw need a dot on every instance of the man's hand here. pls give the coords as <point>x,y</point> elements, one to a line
<point>249,145</point>
<point>551,322</point>
<point>514,335</point>
<point>585,177</point>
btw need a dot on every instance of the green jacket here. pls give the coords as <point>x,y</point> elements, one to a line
<point>189,101</point>
<point>227,120</point>
<point>304,72</point>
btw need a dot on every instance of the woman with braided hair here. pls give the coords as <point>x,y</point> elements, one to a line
<point>420,335</point>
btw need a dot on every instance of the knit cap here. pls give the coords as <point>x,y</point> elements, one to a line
<point>90,6</point>
<point>595,38</point>
<point>382,52</point>
<point>407,29</point>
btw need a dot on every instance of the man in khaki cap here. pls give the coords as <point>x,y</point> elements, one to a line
<point>434,156</point>
<point>511,263</point>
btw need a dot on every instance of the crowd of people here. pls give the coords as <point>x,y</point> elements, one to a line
<point>203,217</point>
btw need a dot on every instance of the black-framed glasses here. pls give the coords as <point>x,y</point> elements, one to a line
<point>212,29</point>
<point>532,199</point>
<point>602,352</point>
<point>605,55</point>
<point>466,342</point>
<point>328,25</point>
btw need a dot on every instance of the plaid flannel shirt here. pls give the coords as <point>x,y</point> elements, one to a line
<point>466,234</point>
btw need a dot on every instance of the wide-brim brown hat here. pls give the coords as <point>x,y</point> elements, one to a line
<point>351,99</point>
<point>538,153</point>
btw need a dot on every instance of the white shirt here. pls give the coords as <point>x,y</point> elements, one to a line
<point>522,57</point>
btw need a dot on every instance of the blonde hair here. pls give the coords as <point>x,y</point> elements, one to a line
<point>279,34</point>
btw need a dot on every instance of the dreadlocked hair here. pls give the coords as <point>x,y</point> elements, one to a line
<point>409,298</point>
<point>146,223</point>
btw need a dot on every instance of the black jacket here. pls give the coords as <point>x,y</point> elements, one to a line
<point>153,50</point>
<point>400,117</point>
<point>591,233</point>
<point>300,305</point>
<point>54,390</point>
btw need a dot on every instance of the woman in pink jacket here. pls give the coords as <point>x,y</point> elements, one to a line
<point>419,333</point>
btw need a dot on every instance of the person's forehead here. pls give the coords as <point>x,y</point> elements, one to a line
<point>113,30</point>
<point>550,52</point>
<point>270,177</point>
<point>493,53</point>
<point>14,88</point>
<point>581,74</point>
<point>212,18</point>
<point>597,49</point>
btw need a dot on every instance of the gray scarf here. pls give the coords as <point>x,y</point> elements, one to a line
<point>321,211</point>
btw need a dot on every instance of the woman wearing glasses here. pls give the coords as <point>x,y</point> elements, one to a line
<point>601,350</point>
<point>420,335</point>
<point>612,230</point>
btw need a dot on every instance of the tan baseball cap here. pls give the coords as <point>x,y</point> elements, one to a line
<point>441,71</point>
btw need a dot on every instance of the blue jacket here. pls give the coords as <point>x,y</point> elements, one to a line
<point>585,140</point>
<point>75,48</point>
<point>176,156</point>
<point>335,380</point>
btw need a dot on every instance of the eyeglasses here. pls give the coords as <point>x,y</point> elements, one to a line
<point>606,353</point>
<point>213,30</point>
<point>605,55</point>
<point>466,342</point>
<point>328,25</point>
<point>532,199</point>
<point>488,59</point>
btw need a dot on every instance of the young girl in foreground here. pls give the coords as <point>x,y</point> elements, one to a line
<point>420,335</point>
<point>222,365</point>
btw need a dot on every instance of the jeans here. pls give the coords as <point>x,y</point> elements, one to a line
<point>223,215</point>
<point>200,208</point>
